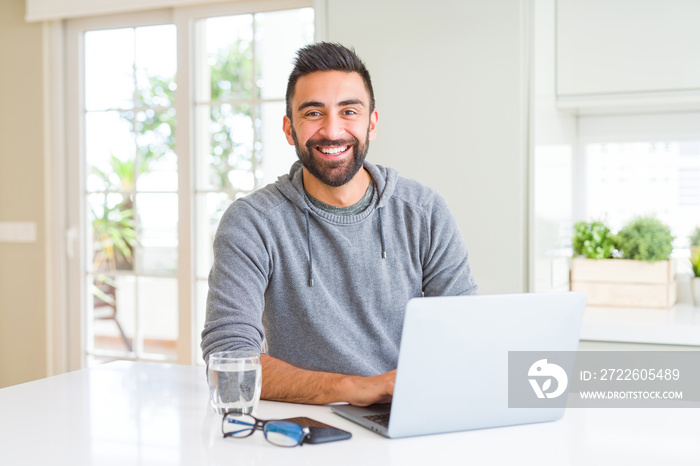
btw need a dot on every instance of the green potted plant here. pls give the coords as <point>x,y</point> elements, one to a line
<point>645,239</point>
<point>695,242</point>
<point>695,281</point>
<point>629,269</point>
<point>593,240</point>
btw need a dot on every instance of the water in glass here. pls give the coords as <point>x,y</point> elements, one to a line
<point>234,386</point>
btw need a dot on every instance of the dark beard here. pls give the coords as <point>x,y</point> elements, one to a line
<point>332,173</point>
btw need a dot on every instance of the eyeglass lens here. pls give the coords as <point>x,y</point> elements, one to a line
<point>280,433</point>
<point>284,433</point>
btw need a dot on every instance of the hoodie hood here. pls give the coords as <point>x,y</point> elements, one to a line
<point>292,187</point>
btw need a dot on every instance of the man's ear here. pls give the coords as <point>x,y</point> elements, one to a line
<point>287,128</point>
<point>373,117</point>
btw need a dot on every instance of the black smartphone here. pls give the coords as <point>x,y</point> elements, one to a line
<point>320,432</point>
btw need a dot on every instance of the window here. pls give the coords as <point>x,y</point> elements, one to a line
<point>659,178</point>
<point>173,115</point>
<point>622,167</point>
<point>131,191</point>
<point>643,165</point>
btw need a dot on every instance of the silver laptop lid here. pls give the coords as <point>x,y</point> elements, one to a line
<point>453,363</point>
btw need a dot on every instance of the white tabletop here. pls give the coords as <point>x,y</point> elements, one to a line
<point>127,413</point>
<point>677,325</point>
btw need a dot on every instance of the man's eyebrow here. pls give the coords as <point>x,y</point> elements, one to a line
<point>310,103</point>
<point>351,102</point>
<point>343,103</point>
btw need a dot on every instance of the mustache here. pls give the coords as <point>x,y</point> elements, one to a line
<point>311,143</point>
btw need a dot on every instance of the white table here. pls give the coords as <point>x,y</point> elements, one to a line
<point>127,413</point>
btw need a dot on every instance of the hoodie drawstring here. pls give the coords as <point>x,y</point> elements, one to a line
<point>381,233</point>
<point>308,243</point>
<point>311,257</point>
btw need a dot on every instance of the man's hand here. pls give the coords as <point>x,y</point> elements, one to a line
<point>284,382</point>
<point>365,391</point>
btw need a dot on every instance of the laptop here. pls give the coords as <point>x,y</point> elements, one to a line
<point>452,372</point>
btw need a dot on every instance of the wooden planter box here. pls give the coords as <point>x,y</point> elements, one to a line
<point>624,283</point>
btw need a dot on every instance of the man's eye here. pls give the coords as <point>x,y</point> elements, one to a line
<point>313,114</point>
<point>349,112</point>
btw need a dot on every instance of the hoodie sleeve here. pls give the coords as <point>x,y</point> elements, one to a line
<point>237,282</point>
<point>446,270</point>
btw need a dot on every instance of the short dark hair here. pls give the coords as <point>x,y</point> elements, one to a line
<point>327,56</point>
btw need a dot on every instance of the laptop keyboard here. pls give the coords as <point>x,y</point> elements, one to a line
<point>381,419</point>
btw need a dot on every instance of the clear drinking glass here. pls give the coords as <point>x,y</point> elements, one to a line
<point>235,381</point>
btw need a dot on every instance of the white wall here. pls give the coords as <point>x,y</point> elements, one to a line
<point>451,94</point>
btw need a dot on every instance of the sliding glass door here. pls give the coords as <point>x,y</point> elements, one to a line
<point>173,115</point>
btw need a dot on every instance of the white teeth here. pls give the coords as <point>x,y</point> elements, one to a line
<point>333,150</point>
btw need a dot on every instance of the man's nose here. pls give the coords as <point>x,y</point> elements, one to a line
<point>333,127</point>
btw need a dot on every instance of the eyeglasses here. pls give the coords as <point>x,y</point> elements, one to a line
<point>280,433</point>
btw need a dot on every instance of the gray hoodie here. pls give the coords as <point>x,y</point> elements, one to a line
<point>328,291</point>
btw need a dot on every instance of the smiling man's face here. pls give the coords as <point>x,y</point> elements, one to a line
<point>331,125</point>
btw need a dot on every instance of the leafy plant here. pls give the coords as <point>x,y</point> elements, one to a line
<point>114,233</point>
<point>593,240</point>
<point>154,126</point>
<point>695,237</point>
<point>231,70</point>
<point>113,224</point>
<point>695,264</point>
<point>646,239</point>
<point>120,175</point>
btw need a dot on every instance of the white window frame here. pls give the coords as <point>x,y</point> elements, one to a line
<point>66,317</point>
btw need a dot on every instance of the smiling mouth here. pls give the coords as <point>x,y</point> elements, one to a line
<point>332,151</point>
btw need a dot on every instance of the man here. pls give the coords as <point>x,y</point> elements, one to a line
<point>321,263</point>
